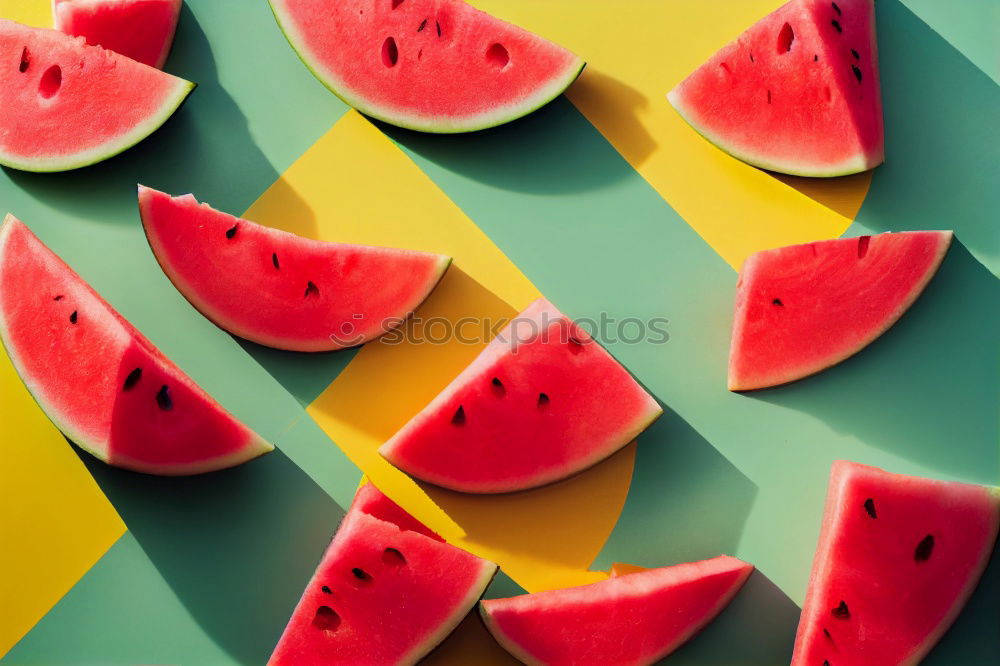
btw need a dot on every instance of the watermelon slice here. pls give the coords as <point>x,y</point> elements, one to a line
<point>307,295</point>
<point>543,401</point>
<point>99,380</point>
<point>898,557</point>
<point>383,593</point>
<point>802,308</point>
<point>798,92</point>
<point>67,105</point>
<point>629,620</point>
<point>430,65</point>
<point>139,29</point>
<point>372,501</point>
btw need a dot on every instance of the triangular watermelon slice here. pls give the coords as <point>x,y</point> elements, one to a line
<point>430,65</point>
<point>802,308</point>
<point>543,401</point>
<point>898,557</point>
<point>307,295</point>
<point>628,620</point>
<point>383,594</point>
<point>798,92</point>
<point>139,29</point>
<point>66,104</point>
<point>99,379</point>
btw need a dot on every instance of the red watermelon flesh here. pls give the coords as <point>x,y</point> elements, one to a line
<point>100,381</point>
<point>628,620</point>
<point>67,104</point>
<point>430,65</point>
<point>802,308</point>
<point>798,92</point>
<point>543,401</point>
<point>306,295</point>
<point>372,501</point>
<point>381,595</point>
<point>898,557</point>
<point>139,29</point>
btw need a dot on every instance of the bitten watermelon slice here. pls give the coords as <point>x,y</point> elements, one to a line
<point>543,401</point>
<point>139,29</point>
<point>100,381</point>
<point>279,289</point>
<point>798,92</point>
<point>802,308</point>
<point>383,593</point>
<point>430,65</point>
<point>67,105</point>
<point>898,557</point>
<point>629,620</point>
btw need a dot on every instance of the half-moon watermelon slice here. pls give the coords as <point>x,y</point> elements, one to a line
<point>99,379</point>
<point>383,594</point>
<point>306,295</point>
<point>628,620</point>
<point>542,402</point>
<point>430,65</point>
<point>798,92</point>
<point>802,308</point>
<point>66,104</point>
<point>139,29</point>
<point>898,557</point>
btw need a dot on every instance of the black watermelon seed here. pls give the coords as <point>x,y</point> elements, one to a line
<point>778,302</point>
<point>326,590</point>
<point>232,232</point>
<point>58,298</point>
<point>826,633</point>
<point>826,663</point>
<point>311,290</point>
<point>274,260</point>
<point>870,507</point>
<point>132,379</point>
<point>25,61</point>
<point>499,390</point>
<point>543,400</point>
<point>815,58</point>
<point>423,24</point>
<point>459,416</point>
<point>857,56</point>
<point>73,317</point>
<point>836,24</point>
<point>768,96</point>
<point>361,574</point>
<point>841,612</point>
<point>438,26</point>
<point>924,549</point>
<point>751,57</point>
<point>857,72</point>
<point>163,398</point>
<point>836,8</point>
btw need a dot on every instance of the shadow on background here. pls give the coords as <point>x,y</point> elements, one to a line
<point>656,528</point>
<point>926,390</point>
<point>546,152</point>
<point>237,546</point>
<point>303,374</point>
<point>205,148</point>
<point>613,103</point>
<point>942,131</point>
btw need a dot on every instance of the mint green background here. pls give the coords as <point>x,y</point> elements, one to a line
<point>211,566</point>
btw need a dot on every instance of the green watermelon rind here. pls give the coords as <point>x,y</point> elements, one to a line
<point>109,148</point>
<point>254,448</point>
<point>857,164</point>
<point>421,123</point>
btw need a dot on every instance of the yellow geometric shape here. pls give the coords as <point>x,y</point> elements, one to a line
<point>30,12</point>
<point>55,522</point>
<point>636,52</point>
<point>355,185</point>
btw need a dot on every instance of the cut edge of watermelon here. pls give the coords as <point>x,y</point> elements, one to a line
<point>191,293</point>
<point>419,122</point>
<point>721,564</point>
<point>740,384</point>
<point>111,147</point>
<point>857,164</point>
<point>841,472</point>
<point>256,446</point>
